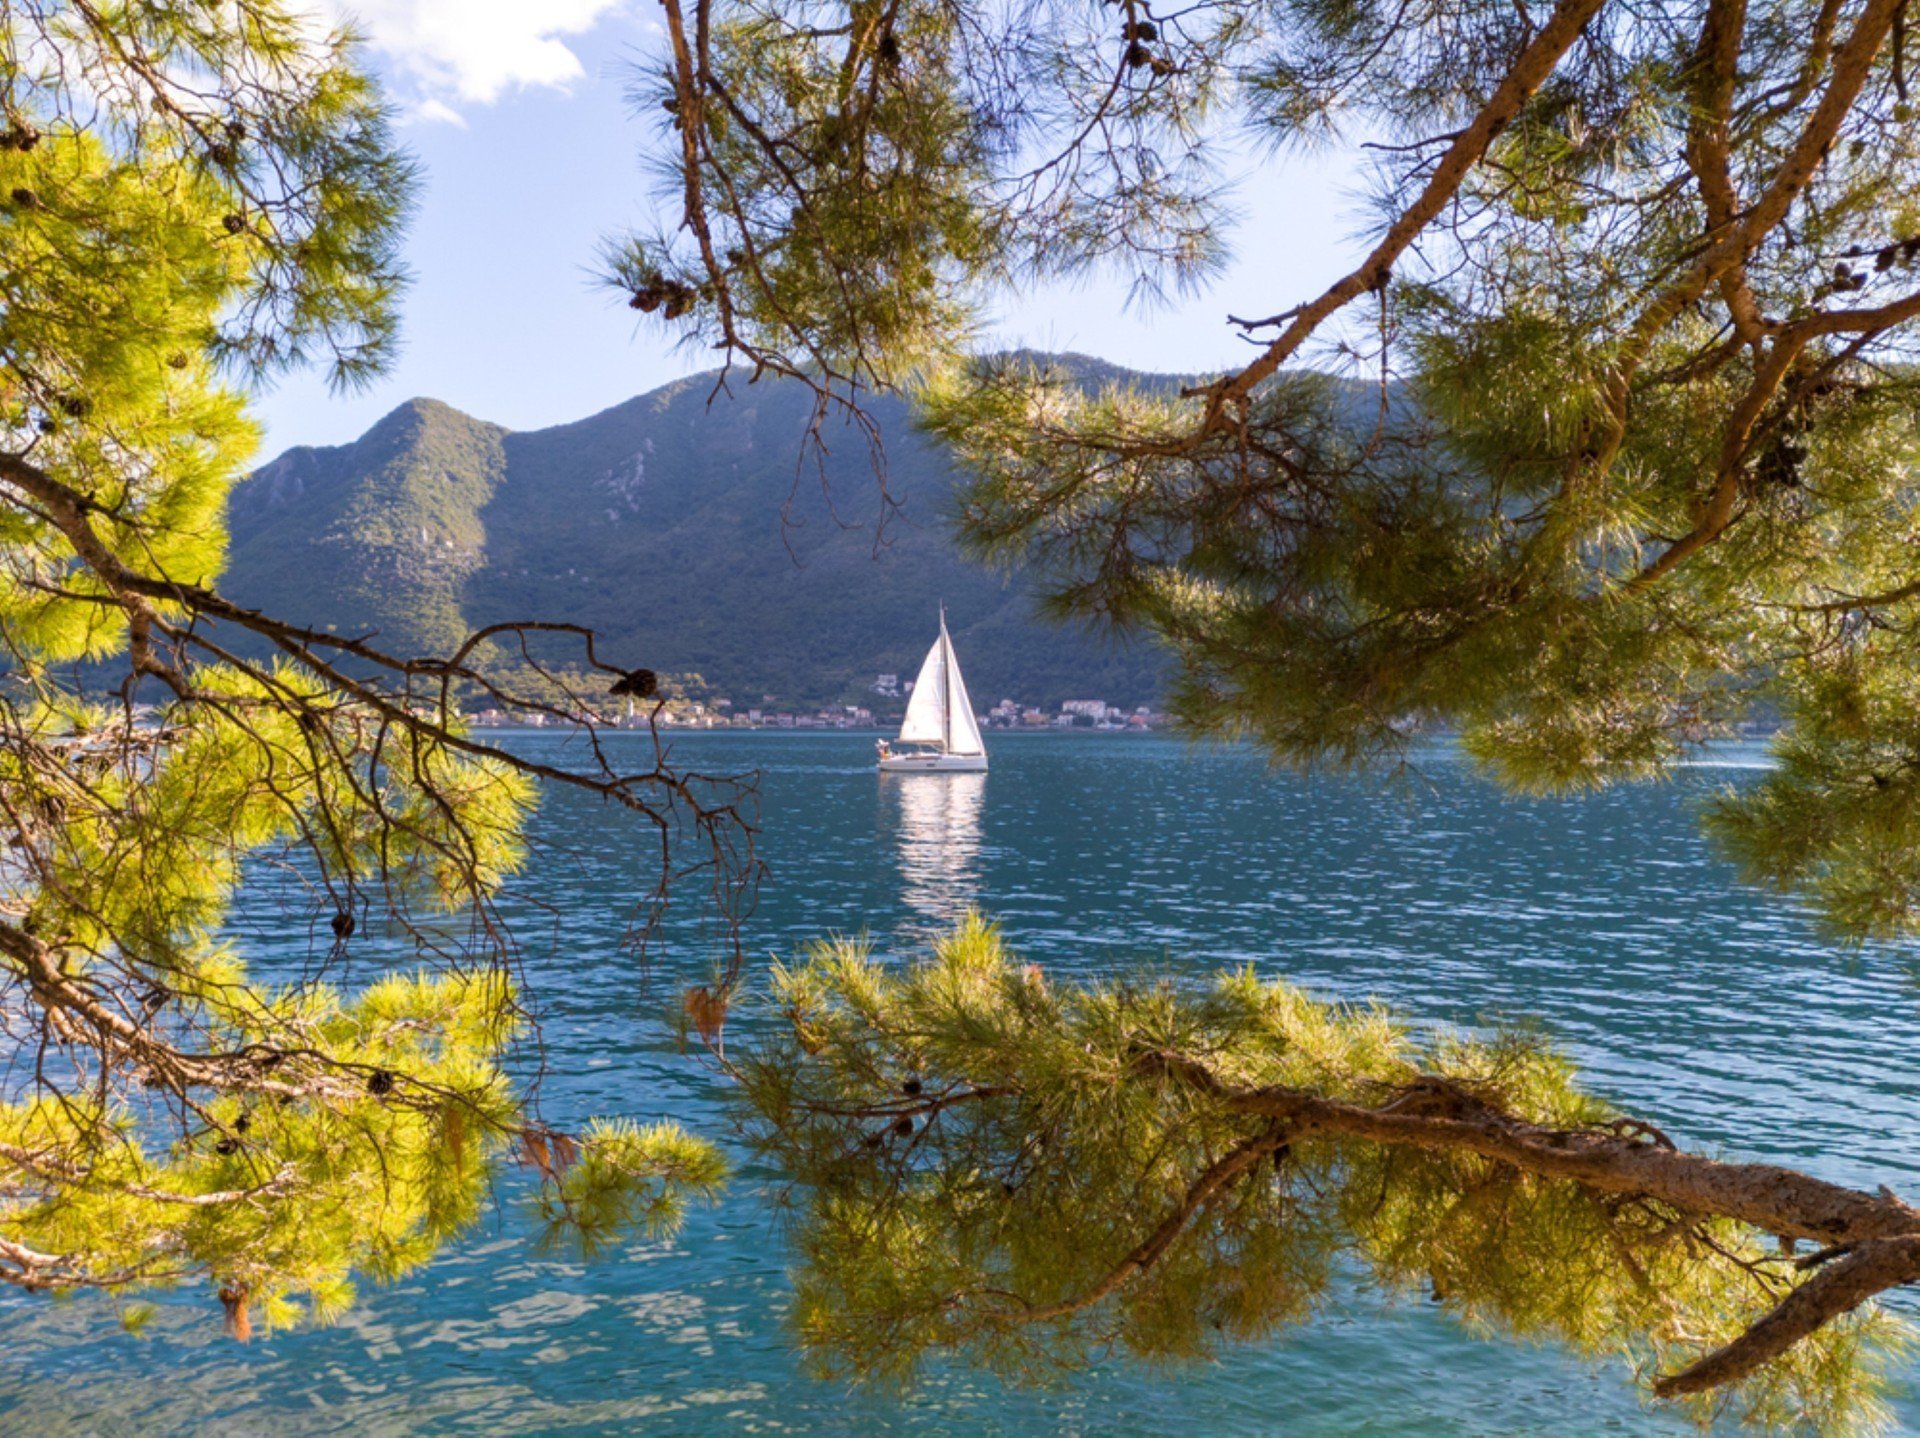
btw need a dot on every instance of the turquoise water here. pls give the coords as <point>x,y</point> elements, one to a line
<point>1714,1011</point>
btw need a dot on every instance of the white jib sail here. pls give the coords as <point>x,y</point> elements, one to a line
<point>963,730</point>
<point>926,721</point>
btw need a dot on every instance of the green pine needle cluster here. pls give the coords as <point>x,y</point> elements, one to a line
<point>1637,319</point>
<point>190,195</point>
<point>985,1160</point>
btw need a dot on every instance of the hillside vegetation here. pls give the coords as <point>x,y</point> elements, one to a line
<point>689,527</point>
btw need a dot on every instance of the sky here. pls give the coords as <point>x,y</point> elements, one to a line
<point>532,158</point>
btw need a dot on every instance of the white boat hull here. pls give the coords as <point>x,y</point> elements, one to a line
<point>933,763</point>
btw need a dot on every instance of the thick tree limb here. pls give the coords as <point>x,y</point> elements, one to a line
<point>1718,513</point>
<point>1766,1196</point>
<point>1842,1286</point>
<point>1716,67</point>
<point>1882,1232</point>
<point>1535,63</point>
<point>1852,66</point>
<point>1777,1200</point>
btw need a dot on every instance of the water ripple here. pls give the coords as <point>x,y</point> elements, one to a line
<point>1606,921</point>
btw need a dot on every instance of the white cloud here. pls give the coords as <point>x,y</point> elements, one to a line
<point>474,50</point>
<point>432,112</point>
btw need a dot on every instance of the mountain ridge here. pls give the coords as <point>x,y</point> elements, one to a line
<point>689,527</point>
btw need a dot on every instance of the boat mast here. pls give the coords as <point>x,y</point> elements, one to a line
<point>946,676</point>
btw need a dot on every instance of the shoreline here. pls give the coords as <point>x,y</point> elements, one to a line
<point>811,731</point>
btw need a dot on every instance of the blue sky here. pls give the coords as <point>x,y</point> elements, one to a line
<point>518,116</point>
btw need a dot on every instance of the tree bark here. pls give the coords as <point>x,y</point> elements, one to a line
<point>1873,1238</point>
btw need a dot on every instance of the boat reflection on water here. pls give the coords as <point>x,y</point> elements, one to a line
<point>937,838</point>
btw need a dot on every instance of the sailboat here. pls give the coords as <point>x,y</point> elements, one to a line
<point>940,734</point>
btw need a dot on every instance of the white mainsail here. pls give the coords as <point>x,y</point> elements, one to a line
<point>926,721</point>
<point>939,712</point>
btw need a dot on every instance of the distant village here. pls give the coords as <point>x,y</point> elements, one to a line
<point>889,693</point>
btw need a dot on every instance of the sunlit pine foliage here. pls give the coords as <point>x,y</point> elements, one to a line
<point>985,1160</point>
<point>1605,444</point>
<point>192,196</point>
<point>285,1190</point>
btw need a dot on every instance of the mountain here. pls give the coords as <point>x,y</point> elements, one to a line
<point>690,527</point>
<point>379,535</point>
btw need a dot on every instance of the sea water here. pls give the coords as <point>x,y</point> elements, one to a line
<point>1716,1011</point>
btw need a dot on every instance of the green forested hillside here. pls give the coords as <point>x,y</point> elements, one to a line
<point>660,524</point>
<point>378,535</point>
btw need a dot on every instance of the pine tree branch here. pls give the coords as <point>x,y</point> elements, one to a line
<point>1765,1196</point>
<point>53,1169</point>
<point>1238,1160</point>
<point>1868,1269</point>
<point>1716,65</point>
<point>38,1272</point>
<point>1533,65</point>
<point>1883,1233</point>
